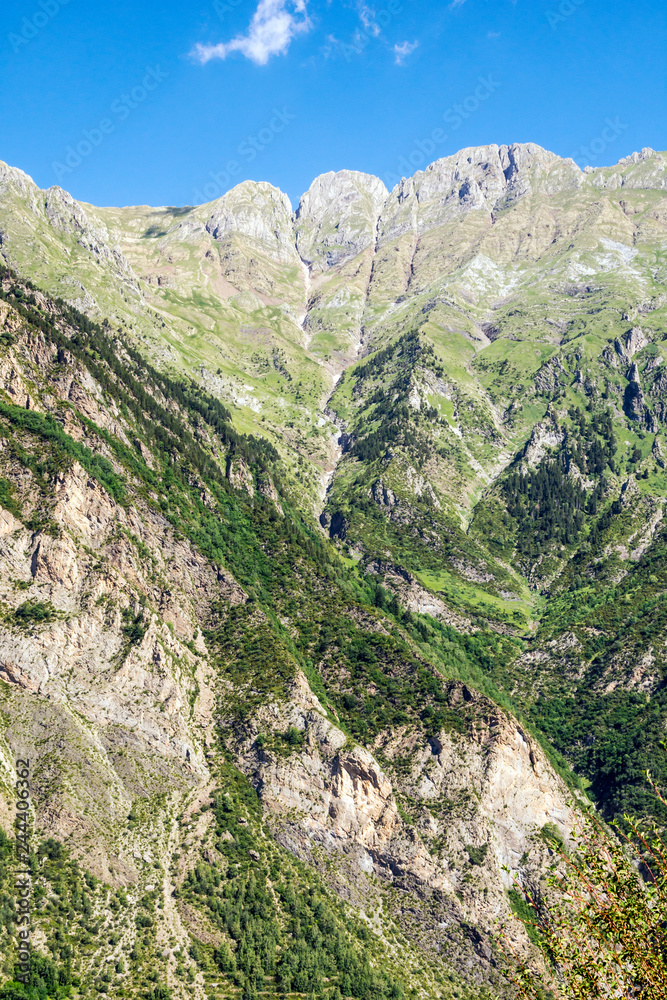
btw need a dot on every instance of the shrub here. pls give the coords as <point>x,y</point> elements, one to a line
<point>606,933</point>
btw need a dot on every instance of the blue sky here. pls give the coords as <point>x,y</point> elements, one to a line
<point>172,103</point>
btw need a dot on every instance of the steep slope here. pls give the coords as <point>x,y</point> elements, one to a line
<point>260,779</point>
<point>336,226</point>
<point>487,251</point>
<point>462,380</point>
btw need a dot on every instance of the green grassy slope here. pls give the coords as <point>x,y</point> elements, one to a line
<point>493,516</point>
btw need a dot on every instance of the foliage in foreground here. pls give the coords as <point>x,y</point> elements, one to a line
<point>606,933</point>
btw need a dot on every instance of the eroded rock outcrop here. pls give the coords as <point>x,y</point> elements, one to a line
<point>337,218</point>
<point>484,790</point>
<point>259,211</point>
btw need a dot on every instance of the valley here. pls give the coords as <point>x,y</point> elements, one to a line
<point>333,568</point>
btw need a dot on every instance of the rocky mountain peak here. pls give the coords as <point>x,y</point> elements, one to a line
<point>17,178</point>
<point>255,209</point>
<point>16,184</point>
<point>638,157</point>
<point>643,170</point>
<point>63,212</point>
<point>476,178</point>
<point>337,217</point>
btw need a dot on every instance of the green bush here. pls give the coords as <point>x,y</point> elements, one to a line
<point>35,613</point>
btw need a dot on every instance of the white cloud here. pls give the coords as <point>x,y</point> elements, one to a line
<point>274,24</point>
<point>402,50</point>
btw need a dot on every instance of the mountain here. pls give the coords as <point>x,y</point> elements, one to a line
<point>333,567</point>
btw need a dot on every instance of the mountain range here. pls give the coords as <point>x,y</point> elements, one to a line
<point>333,568</point>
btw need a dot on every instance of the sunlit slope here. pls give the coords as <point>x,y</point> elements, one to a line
<point>500,256</point>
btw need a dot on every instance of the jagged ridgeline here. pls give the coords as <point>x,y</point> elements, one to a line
<point>333,568</point>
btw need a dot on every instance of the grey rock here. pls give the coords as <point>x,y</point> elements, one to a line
<point>337,217</point>
<point>632,342</point>
<point>256,210</point>
<point>477,178</point>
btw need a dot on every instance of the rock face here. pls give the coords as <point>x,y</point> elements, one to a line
<point>74,659</point>
<point>258,211</point>
<point>633,341</point>
<point>478,178</point>
<point>639,171</point>
<point>89,572</point>
<point>498,788</point>
<point>546,436</point>
<point>68,217</point>
<point>633,402</point>
<point>337,218</point>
